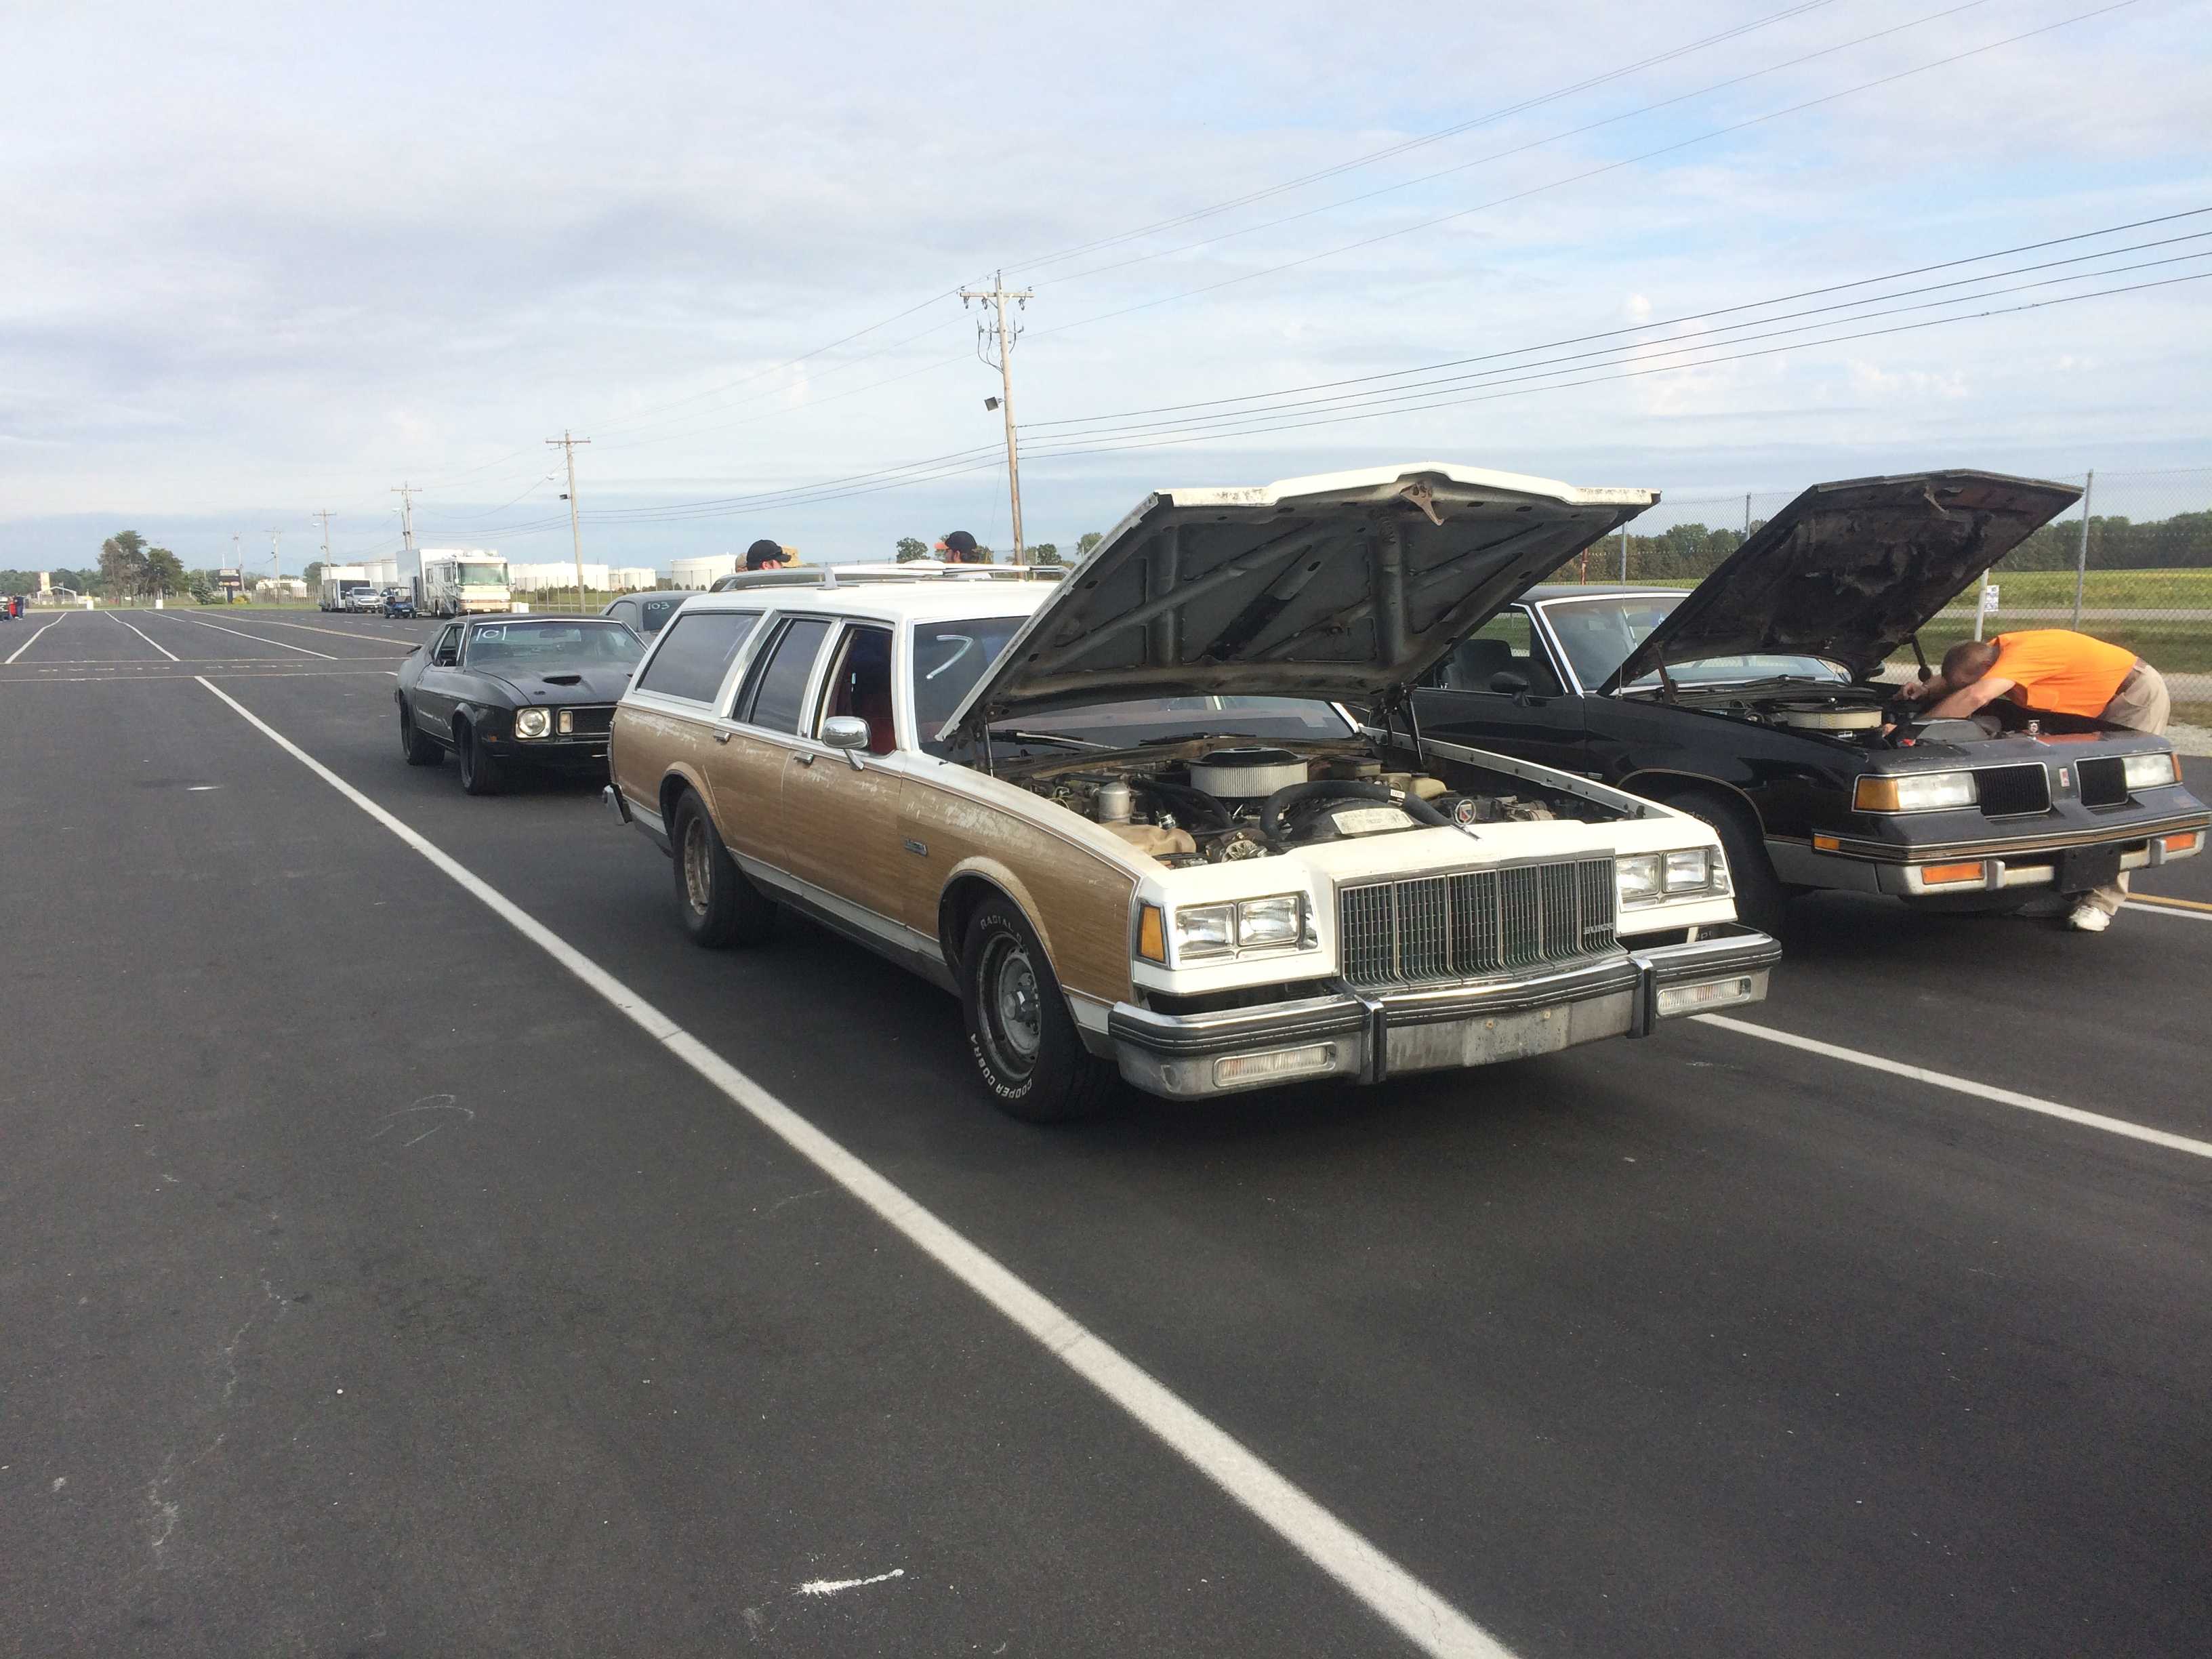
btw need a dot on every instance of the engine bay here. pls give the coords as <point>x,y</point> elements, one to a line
<point>1865,715</point>
<point>1203,803</point>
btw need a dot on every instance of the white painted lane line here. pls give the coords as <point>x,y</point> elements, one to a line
<point>1963,1085</point>
<point>1387,1589</point>
<point>2167,910</point>
<point>156,643</point>
<point>335,632</point>
<point>283,645</point>
<point>33,641</point>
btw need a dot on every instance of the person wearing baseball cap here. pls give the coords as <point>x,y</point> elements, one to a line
<point>959,549</point>
<point>765,555</point>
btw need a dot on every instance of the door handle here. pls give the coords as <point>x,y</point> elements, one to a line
<point>721,737</point>
<point>803,759</point>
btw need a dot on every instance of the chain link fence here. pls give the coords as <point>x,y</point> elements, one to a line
<point>2131,563</point>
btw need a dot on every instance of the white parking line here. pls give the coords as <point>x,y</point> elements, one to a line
<point>157,644</point>
<point>33,641</point>
<point>2148,908</point>
<point>1387,1589</point>
<point>2114,1126</point>
<point>335,632</point>
<point>283,645</point>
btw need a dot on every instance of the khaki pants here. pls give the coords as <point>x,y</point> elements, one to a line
<point>2142,705</point>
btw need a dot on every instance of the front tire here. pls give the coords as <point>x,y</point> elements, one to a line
<point>420,748</point>
<point>717,902</point>
<point>481,773</point>
<point>1019,1030</point>
<point>1761,900</point>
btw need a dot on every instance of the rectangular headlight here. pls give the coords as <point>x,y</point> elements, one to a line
<point>1637,877</point>
<point>1688,872</point>
<point>1913,792</point>
<point>2149,771</point>
<point>1269,923</point>
<point>1204,930</point>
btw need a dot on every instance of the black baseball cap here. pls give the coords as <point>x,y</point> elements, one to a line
<point>960,544</point>
<point>763,553</point>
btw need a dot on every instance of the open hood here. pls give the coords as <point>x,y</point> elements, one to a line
<point>1345,585</point>
<point>1850,571</point>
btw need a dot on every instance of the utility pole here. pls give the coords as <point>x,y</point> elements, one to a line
<point>2081,549</point>
<point>276,570</point>
<point>575,534</point>
<point>326,515</point>
<point>407,492</point>
<point>997,333</point>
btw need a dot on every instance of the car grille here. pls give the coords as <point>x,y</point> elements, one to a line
<point>2104,782</point>
<point>586,723</point>
<point>2011,791</point>
<point>1477,922</point>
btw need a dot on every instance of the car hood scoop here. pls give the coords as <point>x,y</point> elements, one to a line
<point>1850,571</point>
<point>561,679</point>
<point>1345,585</point>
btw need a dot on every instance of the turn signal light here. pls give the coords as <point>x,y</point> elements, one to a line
<point>2184,842</point>
<point>1152,935</point>
<point>1936,875</point>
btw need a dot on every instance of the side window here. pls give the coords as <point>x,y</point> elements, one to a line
<point>861,685</point>
<point>1505,644</point>
<point>656,613</point>
<point>778,683</point>
<point>624,611</point>
<point>447,651</point>
<point>695,653</point>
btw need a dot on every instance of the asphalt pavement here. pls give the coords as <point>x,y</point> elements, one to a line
<point>375,1286</point>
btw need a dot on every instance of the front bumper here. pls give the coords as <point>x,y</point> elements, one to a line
<point>1370,1036</point>
<point>1916,872</point>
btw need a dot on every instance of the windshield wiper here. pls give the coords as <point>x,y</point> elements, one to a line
<point>1198,737</point>
<point>1003,734</point>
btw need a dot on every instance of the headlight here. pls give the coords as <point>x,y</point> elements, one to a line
<point>533,722</point>
<point>2150,771</point>
<point>1638,879</point>
<point>1205,931</point>
<point>1688,872</point>
<point>1913,792</point>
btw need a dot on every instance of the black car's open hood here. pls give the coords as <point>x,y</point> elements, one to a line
<point>1347,585</point>
<point>1850,571</point>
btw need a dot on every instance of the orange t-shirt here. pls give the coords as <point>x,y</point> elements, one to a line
<point>2058,670</point>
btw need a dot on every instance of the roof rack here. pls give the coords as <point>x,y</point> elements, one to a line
<point>913,570</point>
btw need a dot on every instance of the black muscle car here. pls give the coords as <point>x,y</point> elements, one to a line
<point>1755,701</point>
<point>507,691</point>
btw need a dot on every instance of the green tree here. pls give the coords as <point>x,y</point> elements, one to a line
<point>1085,542</point>
<point>911,548</point>
<point>984,556</point>
<point>165,572</point>
<point>312,575</point>
<point>1046,553</point>
<point>122,564</point>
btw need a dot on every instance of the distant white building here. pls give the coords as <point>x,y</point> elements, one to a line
<point>633,578</point>
<point>285,587</point>
<point>702,573</point>
<point>544,578</point>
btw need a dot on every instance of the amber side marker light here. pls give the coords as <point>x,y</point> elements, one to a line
<point>1152,935</point>
<point>1826,844</point>
<point>1936,875</point>
<point>2182,842</point>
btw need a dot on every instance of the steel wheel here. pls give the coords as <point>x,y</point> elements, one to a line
<point>698,867</point>
<point>1013,1023</point>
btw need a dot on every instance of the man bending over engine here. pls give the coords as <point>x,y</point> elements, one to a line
<point>2062,672</point>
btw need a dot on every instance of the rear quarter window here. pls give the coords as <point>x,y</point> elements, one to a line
<point>694,653</point>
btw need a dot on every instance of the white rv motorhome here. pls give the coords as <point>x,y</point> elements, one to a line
<point>464,581</point>
<point>340,582</point>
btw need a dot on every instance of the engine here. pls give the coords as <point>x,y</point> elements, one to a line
<point>1231,804</point>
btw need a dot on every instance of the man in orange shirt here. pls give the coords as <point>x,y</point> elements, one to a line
<point>2063,673</point>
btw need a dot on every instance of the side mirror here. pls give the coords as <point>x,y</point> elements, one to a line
<point>1510,682</point>
<point>848,733</point>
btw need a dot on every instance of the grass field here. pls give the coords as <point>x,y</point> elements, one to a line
<point>2114,590</point>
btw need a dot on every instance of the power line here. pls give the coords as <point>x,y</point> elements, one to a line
<point>1591,172</point>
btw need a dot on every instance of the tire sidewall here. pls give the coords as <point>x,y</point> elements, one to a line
<point>1061,1084</point>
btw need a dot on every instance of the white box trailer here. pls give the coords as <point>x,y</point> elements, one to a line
<point>340,581</point>
<point>464,581</point>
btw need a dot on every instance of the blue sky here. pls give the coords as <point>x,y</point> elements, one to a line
<point>264,260</point>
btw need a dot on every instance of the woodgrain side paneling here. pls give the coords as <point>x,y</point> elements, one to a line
<point>648,744</point>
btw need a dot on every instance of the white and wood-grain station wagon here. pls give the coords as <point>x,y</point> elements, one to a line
<point>1132,819</point>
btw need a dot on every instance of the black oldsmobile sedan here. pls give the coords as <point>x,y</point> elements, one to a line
<point>503,692</point>
<point>1755,701</point>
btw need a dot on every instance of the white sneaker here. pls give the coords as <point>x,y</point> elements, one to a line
<point>2088,918</point>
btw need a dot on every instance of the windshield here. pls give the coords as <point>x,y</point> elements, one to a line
<point>950,657</point>
<point>1598,636</point>
<point>483,576</point>
<point>543,645</point>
